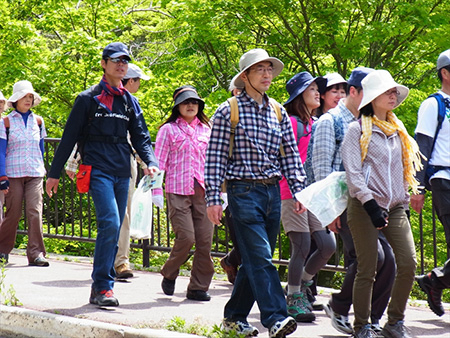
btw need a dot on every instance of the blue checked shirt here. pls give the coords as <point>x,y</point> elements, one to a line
<point>326,152</point>
<point>256,150</point>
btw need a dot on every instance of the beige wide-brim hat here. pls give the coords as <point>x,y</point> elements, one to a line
<point>378,82</point>
<point>251,58</point>
<point>21,89</point>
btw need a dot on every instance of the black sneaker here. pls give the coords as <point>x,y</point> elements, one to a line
<point>198,295</point>
<point>433,295</point>
<point>168,286</point>
<point>103,298</point>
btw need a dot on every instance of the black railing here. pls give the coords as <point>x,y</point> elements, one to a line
<point>71,216</point>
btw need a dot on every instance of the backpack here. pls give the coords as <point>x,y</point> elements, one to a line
<point>300,133</point>
<point>432,169</point>
<point>339,137</point>
<point>7,125</point>
<point>234,119</point>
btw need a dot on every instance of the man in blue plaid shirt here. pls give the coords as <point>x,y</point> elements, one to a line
<point>252,173</point>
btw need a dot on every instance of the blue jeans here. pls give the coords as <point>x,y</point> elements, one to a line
<point>256,210</point>
<point>109,194</point>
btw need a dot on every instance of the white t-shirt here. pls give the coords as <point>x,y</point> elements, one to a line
<point>427,122</point>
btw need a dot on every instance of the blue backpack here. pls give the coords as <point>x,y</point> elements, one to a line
<point>339,137</point>
<point>442,106</point>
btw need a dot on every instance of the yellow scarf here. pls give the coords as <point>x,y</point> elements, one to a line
<point>411,156</point>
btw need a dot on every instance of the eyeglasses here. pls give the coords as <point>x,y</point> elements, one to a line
<point>392,92</point>
<point>261,70</point>
<point>191,101</point>
<point>117,60</point>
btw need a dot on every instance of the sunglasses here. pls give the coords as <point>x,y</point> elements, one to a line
<point>117,60</point>
<point>191,101</point>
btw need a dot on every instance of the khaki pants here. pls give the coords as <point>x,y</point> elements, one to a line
<point>28,189</point>
<point>365,236</point>
<point>190,224</point>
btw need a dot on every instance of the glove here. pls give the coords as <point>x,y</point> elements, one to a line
<point>4,183</point>
<point>377,215</point>
<point>158,200</point>
<point>224,197</point>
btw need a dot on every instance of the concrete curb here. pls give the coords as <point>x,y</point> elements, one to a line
<point>29,323</point>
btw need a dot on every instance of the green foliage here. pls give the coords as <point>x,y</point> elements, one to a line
<point>7,296</point>
<point>178,324</point>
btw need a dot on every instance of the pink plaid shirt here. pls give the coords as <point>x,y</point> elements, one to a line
<point>181,149</point>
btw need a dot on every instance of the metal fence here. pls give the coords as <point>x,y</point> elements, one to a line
<point>70,216</point>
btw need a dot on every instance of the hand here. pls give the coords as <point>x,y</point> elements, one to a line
<point>158,200</point>
<point>378,216</point>
<point>335,226</point>
<point>417,202</point>
<point>150,171</point>
<point>51,186</point>
<point>71,174</point>
<point>299,208</point>
<point>215,213</point>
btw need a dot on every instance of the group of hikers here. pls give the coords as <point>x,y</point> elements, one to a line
<point>254,156</point>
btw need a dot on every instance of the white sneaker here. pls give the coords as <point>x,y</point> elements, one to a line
<point>241,328</point>
<point>339,322</point>
<point>283,328</point>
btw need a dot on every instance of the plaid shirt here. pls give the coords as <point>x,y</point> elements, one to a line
<point>180,149</point>
<point>326,152</point>
<point>256,150</point>
<point>24,156</point>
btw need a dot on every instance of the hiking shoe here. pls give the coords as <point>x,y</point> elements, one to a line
<point>103,298</point>
<point>283,328</point>
<point>365,332</point>
<point>4,258</point>
<point>241,328</point>
<point>376,327</point>
<point>398,330</point>
<point>307,296</point>
<point>123,271</point>
<point>39,261</point>
<point>433,295</point>
<point>339,322</point>
<point>168,286</point>
<point>297,310</point>
<point>230,270</point>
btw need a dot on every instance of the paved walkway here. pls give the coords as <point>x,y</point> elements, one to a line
<point>60,295</point>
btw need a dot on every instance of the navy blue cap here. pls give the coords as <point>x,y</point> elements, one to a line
<point>115,50</point>
<point>299,82</point>
<point>357,75</point>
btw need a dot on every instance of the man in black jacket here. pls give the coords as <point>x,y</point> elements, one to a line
<point>100,118</point>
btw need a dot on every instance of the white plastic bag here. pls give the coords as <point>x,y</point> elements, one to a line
<point>326,199</point>
<point>141,210</point>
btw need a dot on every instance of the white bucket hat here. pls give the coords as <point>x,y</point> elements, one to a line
<point>2,97</point>
<point>134,71</point>
<point>378,82</point>
<point>251,58</point>
<point>21,89</point>
<point>333,79</point>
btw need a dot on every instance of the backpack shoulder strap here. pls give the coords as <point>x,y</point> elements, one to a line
<point>441,115</point>
<point>276,106</point>
<point>338,128</point>
<point>7,125</point>
<point>234,119</point>
<point>39,120</point>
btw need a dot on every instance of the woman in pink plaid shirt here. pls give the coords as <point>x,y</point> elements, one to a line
<point>180,148</point>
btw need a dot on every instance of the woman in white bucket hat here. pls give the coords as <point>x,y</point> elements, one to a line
<point>380,160</point>
<point>21,172</point>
